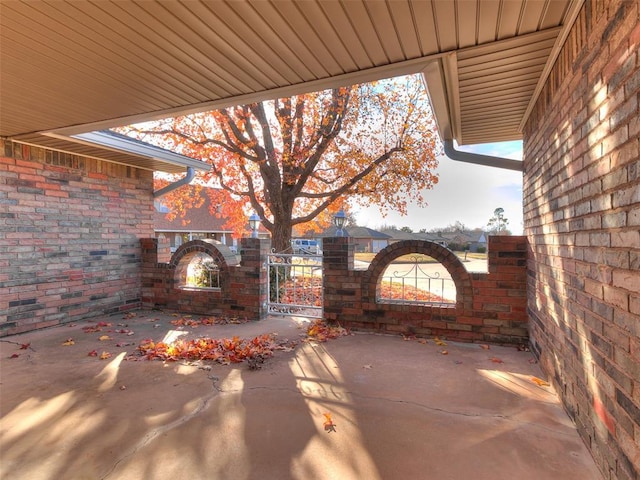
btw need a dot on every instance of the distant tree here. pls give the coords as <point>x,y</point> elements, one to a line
<point>497,224</point>
<point>455,227</point>
<point>386,227</point>
<point>406,230</point>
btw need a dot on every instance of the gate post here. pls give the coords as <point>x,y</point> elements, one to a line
<point>337,268</point>
<point>250,285</point>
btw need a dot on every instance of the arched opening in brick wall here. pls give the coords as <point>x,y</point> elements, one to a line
<point>401,273</point>
<point>202,264</point>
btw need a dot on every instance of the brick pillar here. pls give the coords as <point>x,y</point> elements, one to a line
<point>342,293</point>
<point>338,253</point>
<point>149,258</point>
<point>249,283</point>
<point>164,250</point>
<point>501,299</point>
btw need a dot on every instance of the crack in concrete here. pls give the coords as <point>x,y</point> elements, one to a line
<point>219,390</point>
<point>414,404</point>
<point>156,432</point>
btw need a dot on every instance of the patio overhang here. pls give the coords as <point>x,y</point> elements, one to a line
<point>78,67</point>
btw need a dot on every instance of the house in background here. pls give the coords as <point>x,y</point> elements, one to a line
<point>197,224</point>
<point>366,240</point>
<point>472,240</point>
<point>435,238</point>
<point>398,235</point>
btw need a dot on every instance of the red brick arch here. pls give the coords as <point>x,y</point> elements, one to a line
<point>220,254</point>
<point>457,270</point>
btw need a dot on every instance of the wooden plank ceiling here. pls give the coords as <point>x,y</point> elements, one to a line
<point>69,67</point>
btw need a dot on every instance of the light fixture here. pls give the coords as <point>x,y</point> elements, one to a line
<point>254,223</point>
<point>340,220</point>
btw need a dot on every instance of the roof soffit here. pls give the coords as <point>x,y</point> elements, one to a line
<point>92,65</point>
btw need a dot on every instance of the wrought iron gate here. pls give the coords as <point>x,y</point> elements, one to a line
<point>295,284</point>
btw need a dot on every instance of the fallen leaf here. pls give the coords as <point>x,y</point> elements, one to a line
<point>24,346</point>
<point>322,332</point>
<point>496,360</point>
<point>123,387</point>
<point>68,342</point>
<point>15,355</point>
<point>444,352</point>
<point>93,353</point>
<point>91,329</point>
<point>105,355</point>
<point>439,342</point>
<point>540,382</point>
<point>104,324</point>
<point>367,367</point>
<point>104,337</point>
<point>485,346</point>
<point>124,344</point>
<point>328,424</point>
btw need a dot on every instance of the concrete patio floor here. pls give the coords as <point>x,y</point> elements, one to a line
<point>402,409</point>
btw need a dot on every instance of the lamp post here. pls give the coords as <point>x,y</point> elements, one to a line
<point>254,223</point>
<point>339,220</point>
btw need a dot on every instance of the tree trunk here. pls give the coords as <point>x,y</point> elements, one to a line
<point>281,235</point>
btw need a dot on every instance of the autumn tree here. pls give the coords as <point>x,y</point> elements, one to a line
<point>296,161</point>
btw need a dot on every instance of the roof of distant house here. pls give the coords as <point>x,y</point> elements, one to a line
<point>195,219</point>
<point>465,235</point>
<point>354,232</point>
<point>401,234</point>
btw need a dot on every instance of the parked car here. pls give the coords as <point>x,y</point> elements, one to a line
<point>302,246</point>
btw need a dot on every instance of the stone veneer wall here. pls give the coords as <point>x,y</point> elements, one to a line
<point>582,220</point>
<point>69,236</point>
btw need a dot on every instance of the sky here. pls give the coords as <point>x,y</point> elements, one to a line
<point>465,192</point>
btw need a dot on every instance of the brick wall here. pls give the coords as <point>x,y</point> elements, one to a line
<point>489,307</point>
<point>582,219</point>
<point>243,286</point>
<point>69,236</point>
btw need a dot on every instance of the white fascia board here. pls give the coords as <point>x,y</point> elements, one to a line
<point>120,144</point>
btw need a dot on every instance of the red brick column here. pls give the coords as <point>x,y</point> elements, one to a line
<point>342,285</point>
<point>500,297</point>
<point>249,280</point>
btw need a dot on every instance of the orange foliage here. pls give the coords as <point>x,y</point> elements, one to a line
<point>224,350</point>
<point>396,291</point>
<point>295,160</point>
<point>322,332</point>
